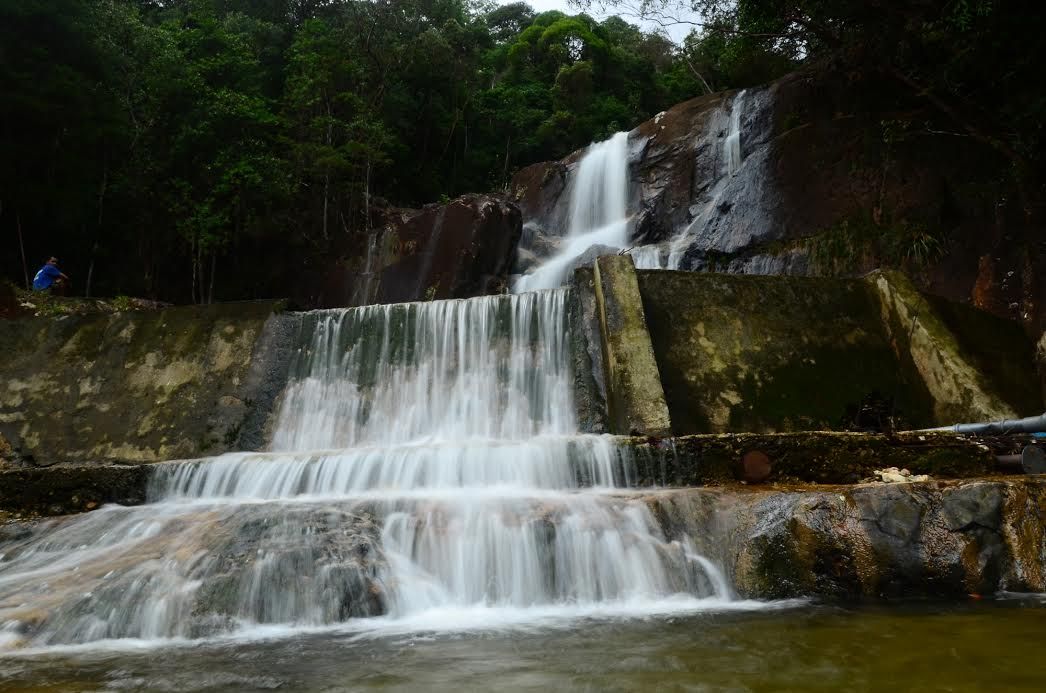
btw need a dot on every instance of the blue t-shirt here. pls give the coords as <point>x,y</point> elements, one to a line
<point>45,277</point>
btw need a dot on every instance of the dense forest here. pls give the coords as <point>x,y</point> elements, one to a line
<point>177,149</point>
<point>158,145</point>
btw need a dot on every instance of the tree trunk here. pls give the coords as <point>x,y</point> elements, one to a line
<point>192,257</point>
<point>97,231</point>
<point>210,291</point>
<point>327,176</point>
<point>366,195</point>
<point>504,170</point>
<point>21,245</point>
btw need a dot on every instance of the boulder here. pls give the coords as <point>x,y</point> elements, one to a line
<point>463,248</point>
<point>870,541</point>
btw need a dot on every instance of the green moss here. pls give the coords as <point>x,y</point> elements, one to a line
<point>128,386</point>
<point>809,457</point>
<point>744,353</point>
<point>1000,349</point>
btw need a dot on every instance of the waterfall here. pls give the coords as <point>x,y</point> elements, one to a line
<point>425,469</point>
<point>598,212</point>
<point>672,254</point>
<point>732,145</point>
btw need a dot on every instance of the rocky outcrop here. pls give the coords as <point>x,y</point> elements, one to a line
<point>835,180</point>
<point>141,386</point>
<point>455,250</point>
<point>927,539</point>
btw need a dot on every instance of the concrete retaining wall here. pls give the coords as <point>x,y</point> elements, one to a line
<point>140,386</point>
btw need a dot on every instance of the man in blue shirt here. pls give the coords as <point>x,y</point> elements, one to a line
<point>48,276</point>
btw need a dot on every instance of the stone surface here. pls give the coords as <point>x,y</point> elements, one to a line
<point>590,390</point>
<point>455,250</point>
<point>67,490</point>
<point>810,457</point>
<point>636,401</point>
<point>836,180</point>
<point>136,386</point>
<point>929,539</point>
<point>762,354</point>
<point>961,391</point>
<point>774,354</point>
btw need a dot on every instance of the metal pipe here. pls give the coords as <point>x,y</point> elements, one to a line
<point>1031,424</point>
<point>1032,460</point>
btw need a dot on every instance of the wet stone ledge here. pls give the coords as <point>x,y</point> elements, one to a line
<point>809,457</point>
<point>52,491</point>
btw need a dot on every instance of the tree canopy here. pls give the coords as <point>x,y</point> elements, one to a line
<point>161,147</point>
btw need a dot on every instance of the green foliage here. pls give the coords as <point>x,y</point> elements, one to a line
<point>858,243</point>
<point>172,148</point>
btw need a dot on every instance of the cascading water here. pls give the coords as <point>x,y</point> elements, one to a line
<point>671,256</point>
<point>425,472</point>
<point>732,145</point>
<point>598,212</point>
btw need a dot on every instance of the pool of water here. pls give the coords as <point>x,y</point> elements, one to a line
<point>980,645</point>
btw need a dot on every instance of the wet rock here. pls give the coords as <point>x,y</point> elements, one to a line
<point>590,396</point>
<point>65,490</point>
<point>936,539</point>
<point>318,565</point>
<point>820,191</point>
<point>463,248</point>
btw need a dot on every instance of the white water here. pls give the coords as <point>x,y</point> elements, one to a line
<point>670,255</point>
<point>598,212</point>
<point>425,469</point>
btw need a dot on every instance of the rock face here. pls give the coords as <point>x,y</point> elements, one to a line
<point>832,182</point>
<point>928,539</point>
<point>455,250</point>
<point>141,386</point>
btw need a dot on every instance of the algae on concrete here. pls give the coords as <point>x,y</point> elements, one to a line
<point>635,397</point>
<point>586,346</point>
<point>921,336</point>
<point>131,386</point>
<point>766,354</point>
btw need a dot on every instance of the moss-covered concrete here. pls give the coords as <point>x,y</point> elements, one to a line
<point>635,398</point>
<point>776,354</point>
<point>813,457</point>
<point>927,336</point>
<point>131,386</point>
<point>586,346</point>
<point>763,354</point>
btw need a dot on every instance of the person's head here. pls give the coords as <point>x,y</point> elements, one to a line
<point>52,260</point>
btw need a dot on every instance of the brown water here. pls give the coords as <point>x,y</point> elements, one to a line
<point>986,645</point>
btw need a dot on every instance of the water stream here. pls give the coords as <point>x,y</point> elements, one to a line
<point>671,254</point>
<point>598,212</point>
<point>425,471</point>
